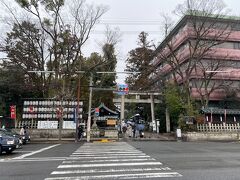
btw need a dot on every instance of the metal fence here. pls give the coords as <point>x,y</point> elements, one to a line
<point>218,127</point>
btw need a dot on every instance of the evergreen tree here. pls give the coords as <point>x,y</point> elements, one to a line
<point>139,61</point>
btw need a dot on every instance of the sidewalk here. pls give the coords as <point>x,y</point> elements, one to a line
<point>67,140</point>
<point>152,136</point>
<point>148,136</point>
<point>161,136</point>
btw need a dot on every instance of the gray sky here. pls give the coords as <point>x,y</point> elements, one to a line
<point>134,16</point>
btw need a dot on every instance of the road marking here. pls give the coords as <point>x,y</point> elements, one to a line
<point>95,153</point>
<point>109,165</point>
<point>110,170</point>
<point>22,151</point>
<point>33,160</point>
<point>109,160</point>
<point>102,155</point>
<point>122,176</point>
<point>110,150</point>
<point>35,152</point>
<point>107,157</point>
<point>118,161</point>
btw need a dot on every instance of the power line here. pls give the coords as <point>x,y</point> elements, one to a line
<point>103,32</point>
<point>104,22</point>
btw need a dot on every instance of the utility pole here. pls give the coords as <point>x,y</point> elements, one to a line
<point>122,107</point>
<point>61,112</point>
<point>89,109</point>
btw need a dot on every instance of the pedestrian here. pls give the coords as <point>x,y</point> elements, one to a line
<point>80,132</point>
<point>134,129</point>
<point>129,130</point>
<point>22,131</point>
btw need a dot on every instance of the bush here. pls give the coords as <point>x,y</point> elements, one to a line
<point>186,127</point>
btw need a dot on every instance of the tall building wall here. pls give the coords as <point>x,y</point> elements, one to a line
<point>224,54</point>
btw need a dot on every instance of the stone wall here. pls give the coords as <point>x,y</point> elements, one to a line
<point>210,136</point>
<point>66,133</point>
<point>51,133</point>
<point>111,133</point>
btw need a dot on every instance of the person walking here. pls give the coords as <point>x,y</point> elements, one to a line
<point>129,130</point>
<point>80,132</point>
<point>134,130</point>
<point>22,131</point>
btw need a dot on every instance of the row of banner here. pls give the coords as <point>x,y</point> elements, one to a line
<point>51,103</point>
<point>51,110</point>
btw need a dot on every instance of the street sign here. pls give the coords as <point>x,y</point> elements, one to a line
<point>13,112</point>
<point>96,111</point>
<point>111,122</point>
<point>122,89</point>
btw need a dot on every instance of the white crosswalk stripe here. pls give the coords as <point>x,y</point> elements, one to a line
<point>116,160</point>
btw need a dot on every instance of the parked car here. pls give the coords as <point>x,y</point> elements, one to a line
<point>8,143</point>
<point>13,133</point>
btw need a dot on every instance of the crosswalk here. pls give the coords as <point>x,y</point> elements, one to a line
<point>115,160</point>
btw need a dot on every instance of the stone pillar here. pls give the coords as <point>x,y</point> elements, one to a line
<point>152,114</point>
<point>167,121</point>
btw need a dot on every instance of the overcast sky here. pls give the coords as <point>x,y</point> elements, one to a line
<point>134,16</point>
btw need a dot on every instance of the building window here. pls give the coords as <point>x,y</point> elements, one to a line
<point>235,27</point>
<point>236,45</point>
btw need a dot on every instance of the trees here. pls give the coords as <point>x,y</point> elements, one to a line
<point>139,61</point>
<point>47,40</point>
<point>174,103</point>
<point>103,67</point>
<point>106,80</point>
<point>24,51</point>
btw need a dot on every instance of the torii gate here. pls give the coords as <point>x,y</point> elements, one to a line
<point>124,100</point>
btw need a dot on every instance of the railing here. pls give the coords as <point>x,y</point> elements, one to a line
<point>218,127</point>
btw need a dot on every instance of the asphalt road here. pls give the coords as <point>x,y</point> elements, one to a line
<point>123,160</point>
<point>34,161</point>
<point>197,160</point>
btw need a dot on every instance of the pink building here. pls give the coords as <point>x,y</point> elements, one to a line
<point>203,54</point>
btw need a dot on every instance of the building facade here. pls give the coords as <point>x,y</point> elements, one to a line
<point>202,55</point>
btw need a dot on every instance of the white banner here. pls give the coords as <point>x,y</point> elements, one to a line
<point>47,125</point>
<point>69,125</point>
<point>54,125</point>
